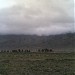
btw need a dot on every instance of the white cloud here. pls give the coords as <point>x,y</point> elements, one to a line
<point>38,17</point>
<point>6,3</point>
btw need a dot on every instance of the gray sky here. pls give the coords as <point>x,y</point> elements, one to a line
<point>41,17</point>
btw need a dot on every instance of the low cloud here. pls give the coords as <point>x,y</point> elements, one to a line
<point>41,17</point>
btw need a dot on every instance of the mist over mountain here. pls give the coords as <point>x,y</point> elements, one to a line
<point>39,17</point>
<point>62,42</point>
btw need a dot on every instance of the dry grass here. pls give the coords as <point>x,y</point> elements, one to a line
<point>37,64</point>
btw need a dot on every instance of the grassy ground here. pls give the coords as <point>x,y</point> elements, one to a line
<point>37,64</point>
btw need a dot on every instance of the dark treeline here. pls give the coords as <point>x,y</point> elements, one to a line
<point>27,50</point>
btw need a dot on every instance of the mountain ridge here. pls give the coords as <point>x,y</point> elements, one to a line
<point>61,42</point>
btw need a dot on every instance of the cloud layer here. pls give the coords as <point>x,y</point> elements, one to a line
<point>41,17</point>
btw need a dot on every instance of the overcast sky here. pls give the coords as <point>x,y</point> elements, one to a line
<point>41,17</point>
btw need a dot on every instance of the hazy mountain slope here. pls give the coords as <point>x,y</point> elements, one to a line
<point>57,42</point>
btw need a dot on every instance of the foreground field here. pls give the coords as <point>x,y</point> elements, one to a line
<point>37,64</point>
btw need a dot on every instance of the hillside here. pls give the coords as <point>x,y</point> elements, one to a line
<point>62,42</point>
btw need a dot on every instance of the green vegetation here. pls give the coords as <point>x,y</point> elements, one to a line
<point>37,63</point>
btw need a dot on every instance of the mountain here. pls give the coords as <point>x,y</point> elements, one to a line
<point>62,42</point>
